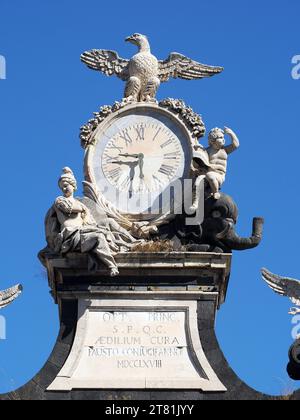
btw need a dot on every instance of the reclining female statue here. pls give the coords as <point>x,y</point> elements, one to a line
<point>71,227</point>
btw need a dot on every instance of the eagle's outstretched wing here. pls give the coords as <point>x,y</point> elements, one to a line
<point>283,286</point>
<point>8,296</point>
<point>108,62</point>
<point>179,66</point>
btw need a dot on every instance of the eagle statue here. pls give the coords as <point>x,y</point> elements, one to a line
<point>9,295</point>
<point>144,73</point>
<point>285,287</point>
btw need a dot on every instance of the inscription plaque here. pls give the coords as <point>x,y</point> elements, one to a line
<point>131,347</point>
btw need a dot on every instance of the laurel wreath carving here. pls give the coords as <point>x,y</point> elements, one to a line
<point>191,119</point>
<point>88,129</point>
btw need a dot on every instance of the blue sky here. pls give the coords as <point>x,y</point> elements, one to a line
<point>49,94</point>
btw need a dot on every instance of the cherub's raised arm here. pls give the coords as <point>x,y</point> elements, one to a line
<point>235,144</point>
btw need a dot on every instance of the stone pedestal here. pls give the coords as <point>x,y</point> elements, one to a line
<point>140,330</point>
<point>140,273</point>
<point>138,343</point>
<point>148,334</point>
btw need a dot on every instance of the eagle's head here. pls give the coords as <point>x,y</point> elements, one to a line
<point>138,40</point>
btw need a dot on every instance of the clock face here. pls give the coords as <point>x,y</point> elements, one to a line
<point>138,157</point>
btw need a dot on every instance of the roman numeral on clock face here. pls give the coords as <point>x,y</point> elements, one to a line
<point>167,170</point>
<point>159,181</point>
<point>167,143</point>
<point>140,130</point>
<point>171,156</point>
<point>126,183</point>
<point>126,137</point>
<point>157,133</point>
<point>109,159</point>
<point>113,146</point>
<point>114,173</point>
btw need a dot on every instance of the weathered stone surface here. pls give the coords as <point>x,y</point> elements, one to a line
<point>284,286</point>
<point>138,344</point>
<point>204,284</point>
<point>144,73</point>
<point>236,390</point>
<point>141,273</point>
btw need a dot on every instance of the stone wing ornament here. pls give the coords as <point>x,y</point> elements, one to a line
<point>144,72</point>
<point>107,62</point>
<point>284,287</point>
<point>9,295</point>
<point>179,66</point>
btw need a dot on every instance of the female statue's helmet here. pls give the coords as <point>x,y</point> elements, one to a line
<point>68,175</point>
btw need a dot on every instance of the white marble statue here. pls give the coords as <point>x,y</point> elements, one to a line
<point>144,73</point>
<point>284,286</point>
<point>214,160</point>
<point>9,295</point>
<point>218,155</point>
<point>79,232</point>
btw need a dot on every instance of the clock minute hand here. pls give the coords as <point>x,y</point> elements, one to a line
<point>120,162</point>
<point>132,166</point>
<point>128,155</point>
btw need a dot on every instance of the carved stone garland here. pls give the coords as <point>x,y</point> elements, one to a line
<point>192,120</point>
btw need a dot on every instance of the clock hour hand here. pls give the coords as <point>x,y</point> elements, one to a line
<point>130,164</point>
<point>141,165</point>
<point>139,156</point>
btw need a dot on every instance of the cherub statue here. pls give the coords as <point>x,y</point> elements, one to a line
<point>79,231</point>
<point>213,161</point>
<point>218,155</point>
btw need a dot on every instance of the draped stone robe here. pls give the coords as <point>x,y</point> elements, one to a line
<point>69,232</point>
